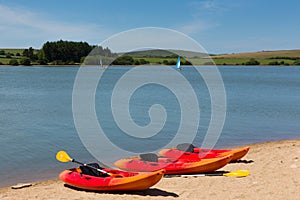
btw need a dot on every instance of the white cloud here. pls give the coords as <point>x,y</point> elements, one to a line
<point>195,27</point>
<point>20,25</point>
<point>207,6</point>
<point>203,14</point>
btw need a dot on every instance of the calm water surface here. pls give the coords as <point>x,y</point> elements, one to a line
<point>263,104</point>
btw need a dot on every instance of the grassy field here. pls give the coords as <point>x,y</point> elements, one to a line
<point>4,60</point>
<point>13,51</point>
<point>242,61</point>
<point>220,61</point>
<point>282,57</point>
<point>262,54</point>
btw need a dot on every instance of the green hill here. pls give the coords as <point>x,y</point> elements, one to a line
<point>158,53</point>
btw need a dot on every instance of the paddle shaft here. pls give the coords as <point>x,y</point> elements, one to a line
<point>213,174</point>
<point>196,175</point>
<point>236,173</point>
<point>99,170</point>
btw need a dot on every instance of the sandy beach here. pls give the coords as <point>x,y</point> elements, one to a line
<point>274,167</point>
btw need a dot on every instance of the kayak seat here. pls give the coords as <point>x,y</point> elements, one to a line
<point>92,172</point>
<point>186,147</point>
<point>150,157</point>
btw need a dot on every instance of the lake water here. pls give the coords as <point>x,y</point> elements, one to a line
<point>36,120</point>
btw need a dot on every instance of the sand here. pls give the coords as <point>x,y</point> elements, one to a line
<point>274,167</point>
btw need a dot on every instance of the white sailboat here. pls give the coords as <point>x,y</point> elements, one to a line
<point>101,65</point>
<point>178,63</point>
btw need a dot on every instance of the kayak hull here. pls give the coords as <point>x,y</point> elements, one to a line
<point>174,167</point>
<point>200,153</point>
<point>119,181</point>
<point>237,154</point>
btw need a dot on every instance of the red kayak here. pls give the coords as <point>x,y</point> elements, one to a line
<point>118,181</point>
<point>191,153</point>
<point>172,166</point>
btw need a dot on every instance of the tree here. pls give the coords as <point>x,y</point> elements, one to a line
<point>165,62</point>
<point>25,61</point>
<point>2,52</point>
<point>66,51</point>
<point>252,61</point>
<point>42,62</point>
<point>25,53</point>
<point>208,63</point>
<point>13,62</point>
<point>143,61</point>
<point>187,63</point>
<point>123,60</point>
<point>172,62</point>
<point>136,62</point>
<point>29,53</point>
<point>42,58</point>
<point>274,63</point>
<point>297,62</point>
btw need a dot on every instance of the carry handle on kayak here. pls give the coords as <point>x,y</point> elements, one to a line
<point>62,156</point>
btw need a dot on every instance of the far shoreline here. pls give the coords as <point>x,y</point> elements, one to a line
<point>154,65</point>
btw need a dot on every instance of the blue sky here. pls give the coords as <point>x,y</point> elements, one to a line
<point>220,26</point>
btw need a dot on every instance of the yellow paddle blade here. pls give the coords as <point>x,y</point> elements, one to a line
<point>62,156</point>
<point>238,173</point>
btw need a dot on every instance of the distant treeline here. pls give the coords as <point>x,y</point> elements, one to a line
<point>76,53</point>
<point>58,53</point>
<point>286,58</point>
<point>66,52</point>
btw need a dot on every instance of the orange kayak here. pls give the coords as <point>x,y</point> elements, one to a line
<point>119,181</point>
<point>194,154</point>
<point>173,166</point>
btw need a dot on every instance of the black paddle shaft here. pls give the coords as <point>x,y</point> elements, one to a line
<point>195,175</point>
<point>92,167</point>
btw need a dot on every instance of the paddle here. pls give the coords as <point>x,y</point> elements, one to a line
<point>236,173</point>
<point>62,156</point>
